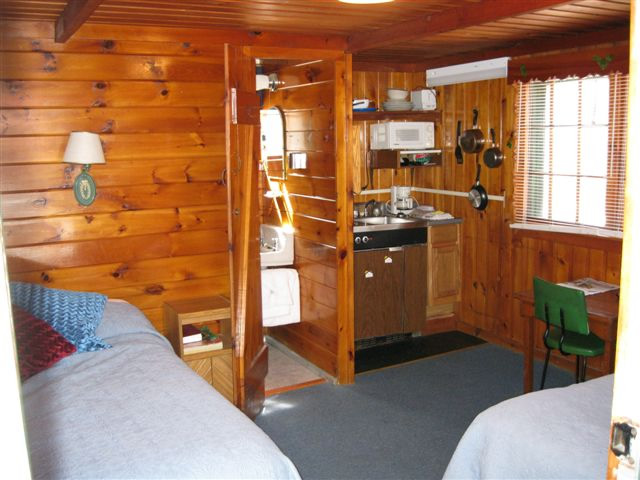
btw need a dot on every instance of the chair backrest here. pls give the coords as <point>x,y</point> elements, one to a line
<point>556,298</point>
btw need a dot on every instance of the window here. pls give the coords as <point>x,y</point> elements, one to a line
<point>570,157</point>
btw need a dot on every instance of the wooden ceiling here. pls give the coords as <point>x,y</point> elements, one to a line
<point>425,33</point>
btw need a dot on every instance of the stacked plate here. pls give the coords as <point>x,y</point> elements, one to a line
<point>397,100</point>
<point>397,105</point>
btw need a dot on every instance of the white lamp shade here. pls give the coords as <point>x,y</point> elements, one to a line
<point>84,148</point>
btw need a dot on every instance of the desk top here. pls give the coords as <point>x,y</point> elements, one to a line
<point>603,305</point>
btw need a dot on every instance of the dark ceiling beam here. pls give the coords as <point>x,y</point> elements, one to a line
<point>452,19</point>
<point>73,16</point>
<point>530,47</point>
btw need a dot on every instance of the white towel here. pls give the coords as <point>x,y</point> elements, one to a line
<point>280,297</point>
<point>276,286</point>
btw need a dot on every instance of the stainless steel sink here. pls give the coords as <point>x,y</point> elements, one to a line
<point>381,220</point>
<point>379,224</point>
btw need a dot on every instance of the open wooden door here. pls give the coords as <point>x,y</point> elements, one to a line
<point>242,111</point>
<point>624,451</point>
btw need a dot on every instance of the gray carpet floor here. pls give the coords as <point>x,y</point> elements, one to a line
<point>399,423</point>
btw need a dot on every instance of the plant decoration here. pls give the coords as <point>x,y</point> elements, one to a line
<point>207,334</point>
<point>523,70</point>
<point>603,62</point>
<point>510,140</point>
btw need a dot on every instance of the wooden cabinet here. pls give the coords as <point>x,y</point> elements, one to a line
<point>215,366</point>
<point>378,292</point>
<point>415,287</point>
<point>389,291</point>
<point>444,282</point>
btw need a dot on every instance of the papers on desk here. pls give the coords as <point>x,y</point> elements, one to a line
<point>427,212</point>
<point>590,286</point>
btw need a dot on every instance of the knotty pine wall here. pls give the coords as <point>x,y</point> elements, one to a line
<point>496,260</point>
<point>307,100</point>
<point>157,230</point>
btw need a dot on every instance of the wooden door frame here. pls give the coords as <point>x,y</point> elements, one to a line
<point>626,402</point>
<point>344,187</point>
<point>241,125</point>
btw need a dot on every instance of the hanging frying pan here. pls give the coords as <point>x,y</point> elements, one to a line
<point>478,195</point>
<point>472,140</point>
<point>458,151</point>
<point>493,156</point>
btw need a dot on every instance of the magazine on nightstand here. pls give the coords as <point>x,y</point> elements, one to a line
<point>590,286</point>
<point>204,346</point>
<point>190,334</point>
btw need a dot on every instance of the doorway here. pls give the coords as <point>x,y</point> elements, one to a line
<point>315,94</point>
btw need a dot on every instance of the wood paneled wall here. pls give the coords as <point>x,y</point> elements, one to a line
<point>496,260</point>
<point>157,229</point>
<point>307,99</point>
<point>559,257</point>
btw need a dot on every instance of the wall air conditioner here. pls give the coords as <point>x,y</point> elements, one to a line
<point>468,72</point>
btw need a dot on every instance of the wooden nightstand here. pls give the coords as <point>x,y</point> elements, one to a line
<point>215,366</point>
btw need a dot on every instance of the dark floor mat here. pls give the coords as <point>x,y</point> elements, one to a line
<point>413,348</point>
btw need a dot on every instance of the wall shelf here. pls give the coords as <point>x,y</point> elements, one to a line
<point>427,116</point>
<point>395,159</point>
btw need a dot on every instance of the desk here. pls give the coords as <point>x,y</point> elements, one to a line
<point>602,309</point>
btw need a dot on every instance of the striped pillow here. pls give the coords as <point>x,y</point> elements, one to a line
<point>39,346</point>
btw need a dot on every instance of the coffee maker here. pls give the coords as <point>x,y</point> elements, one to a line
<point>401,200</point>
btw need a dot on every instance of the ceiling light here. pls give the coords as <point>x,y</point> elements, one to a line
<point>468,72</point>
<point>365,1</point>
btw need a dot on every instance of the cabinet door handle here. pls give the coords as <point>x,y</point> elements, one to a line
<point>388,259</point>
<point>223,177</point>
<point>368,274</point>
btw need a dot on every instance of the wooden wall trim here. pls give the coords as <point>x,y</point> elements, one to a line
<point>73,16</point>
<point>344,241</point>
<point>164,34</point>
<point>585,241</point>
<point>578,62</point>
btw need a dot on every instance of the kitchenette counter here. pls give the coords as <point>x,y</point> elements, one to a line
<point>373,224</point>
<point>406,275</point>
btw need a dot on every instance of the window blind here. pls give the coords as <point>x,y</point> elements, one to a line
<point>570,154</point>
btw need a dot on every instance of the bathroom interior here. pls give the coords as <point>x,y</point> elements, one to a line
<point>297,201</point>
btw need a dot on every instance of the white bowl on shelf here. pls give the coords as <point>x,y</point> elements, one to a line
<point>397,93</point>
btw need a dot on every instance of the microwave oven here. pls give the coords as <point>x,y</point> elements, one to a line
<point>401,135</point>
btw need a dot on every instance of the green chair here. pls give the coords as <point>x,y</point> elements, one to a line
<point>564,310</point>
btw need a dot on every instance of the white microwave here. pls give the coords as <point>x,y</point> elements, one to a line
<point>402,135</point>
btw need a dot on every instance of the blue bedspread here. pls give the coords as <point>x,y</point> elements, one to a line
<point>559,433</point>
<point>137,411</point>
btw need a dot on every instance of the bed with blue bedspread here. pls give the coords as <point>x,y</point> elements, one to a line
<point>555,433</point>
<point>135,410</point>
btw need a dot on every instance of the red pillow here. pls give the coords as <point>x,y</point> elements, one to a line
<point>39,345</point>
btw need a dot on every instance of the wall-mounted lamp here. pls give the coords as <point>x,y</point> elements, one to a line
<point>270,82</point>
<point>85,149</point>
